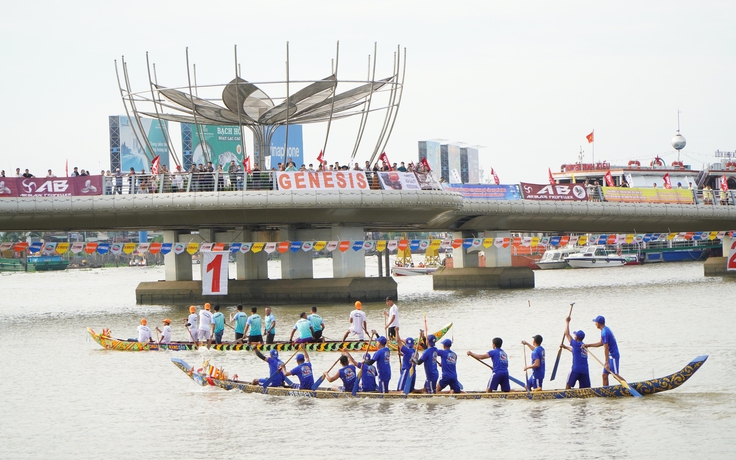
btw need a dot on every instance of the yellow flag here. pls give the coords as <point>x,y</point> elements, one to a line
<point>713,235</point>
<point>535,241</point>
<point>629,238</point>
<point>128,248</point>
<point>572,178</point>
<point>191,248</point>
<point>582,240</point>
<point>319,245</point>
<point>61,248</point>
<point>380,245</point>
<point>257,247</point>
<point>671,236</point>
<point>487,242</point>
<point>435,244</point>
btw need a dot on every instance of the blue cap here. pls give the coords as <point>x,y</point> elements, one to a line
<point>447,342</point>
<point>431,338</point>
<point>300,357</point>
<point>579,334</point>
<point>274,353</point>
<point>599,319</point>
<point>409,342</point>
<point>382,340</point>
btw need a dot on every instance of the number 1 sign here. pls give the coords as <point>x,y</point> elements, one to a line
<point>214,273</point>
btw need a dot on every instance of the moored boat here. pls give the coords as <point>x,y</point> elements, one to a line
<point>106,341</point>
<point>412,271</point>
<point>555,258</point>
<point>645,388</point>
<point>595,257</point>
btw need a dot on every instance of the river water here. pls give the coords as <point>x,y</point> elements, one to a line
<point>65,397</point>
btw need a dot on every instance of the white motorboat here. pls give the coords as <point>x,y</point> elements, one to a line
<point>555,258</point>
<point>412,271</point>
<point>595,257</point>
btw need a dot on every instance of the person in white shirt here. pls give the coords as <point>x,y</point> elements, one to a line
<point>358,323</point>
<point>192,321</point>
<point>166,332</point>
<point>393,318</point>
<point>144,333</point>
<point>205,324</point>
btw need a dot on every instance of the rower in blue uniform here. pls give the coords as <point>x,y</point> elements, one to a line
<point>346,374</point>
<point>275,369</point>
<point>538,363</point>
<point>610,348</point>
<point>449,371</point>
<point>429,359</point>
<point>407,352</point>
<point>579,373</point>
<point>368,373</point>
<point>303,371</point>
<point>382,358</point>
<point>500,366</point>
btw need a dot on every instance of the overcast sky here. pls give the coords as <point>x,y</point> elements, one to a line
<point>526,80</point>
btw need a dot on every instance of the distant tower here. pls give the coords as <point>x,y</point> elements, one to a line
<point>678,142</point>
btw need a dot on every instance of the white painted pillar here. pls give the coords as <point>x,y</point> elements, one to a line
<point>495,256</point>
<point>176,267</point>
<point>348,264</point>
<point>297,265</point>
<point>461,258</point>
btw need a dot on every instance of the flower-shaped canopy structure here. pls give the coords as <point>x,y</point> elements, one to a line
<point>246,104</point>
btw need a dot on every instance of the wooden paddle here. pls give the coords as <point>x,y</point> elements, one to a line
<point>559,352</point>
<point>515,380</point>
<point>322,377</point>
<point>194,342</point>
<point>617,377</point>
<point>526,372</point>
<point>278,369</point>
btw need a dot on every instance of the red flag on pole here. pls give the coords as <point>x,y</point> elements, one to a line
<point>590,137</point>
<point>155,164</point>
<point>246,165</point>
<point>66,167</point>
<point>425,163</point>
<point>552,180</point>
<point>724,183</point>
<point>383,157</point>
<point>609,179</point>
<point>667,183</point>
<point>321,158</point>
<point>495,177</point>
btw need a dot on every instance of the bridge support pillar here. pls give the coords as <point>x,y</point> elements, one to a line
<point>348,264</point>
<point>177,267</point>
<point>296,265</point>
<point>253,266</point>
<point>461,257</point>
<point>497,256</point>
<point>718,266</point>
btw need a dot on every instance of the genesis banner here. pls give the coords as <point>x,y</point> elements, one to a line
<point>558,192</point>
<point>327,180</point>
<point>50,186</point>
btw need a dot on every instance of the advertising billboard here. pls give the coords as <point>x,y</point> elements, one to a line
<point>295,149</point>
<point>221,143</point>
<point>558,192</point>
<point>125,149</point>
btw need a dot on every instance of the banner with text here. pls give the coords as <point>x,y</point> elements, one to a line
<point>50,186</point>
<point>485,191</point>
<point>648,195</point>
<point>214,273</point>
<point>395,180</point>
<point>558,192</point>
<point>328,180</point>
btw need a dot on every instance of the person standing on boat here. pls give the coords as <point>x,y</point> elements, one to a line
<point>318,326</point>
<point>500,366</point>
<point>144,333</point>
<point>358,323</point>
<point>303,371</point>
<point>192,323</point>
<point>579,373</point>
<point>253,325</point>
<point>382,358</point>
<point>407,351</point>
<point>275,369</point>
<point>239,318</point>
<point>393,317</point>
<point>166,332</point>
<point>538,363</point>
<point>448,361</point>
<point>218,325</point>
<point>610,348</point>
<point>429,359</point>
<point>304,326</point>
<point>367,375</point>
<point>270,321</point>
<point>205,324</point>
<point>346,374</point>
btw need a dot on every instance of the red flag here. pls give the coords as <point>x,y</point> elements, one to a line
<point>321,158</point>
<point>246,165</point>
<point>667,183</point>
<point>425,163</point>
<point>724,183</point>
<point>495,177</point>
<point>609,179</point>
<point>383,157</point>
<point>155,164</point>
<point>590,137</point>
<point>552,180</point>
<point>66,167</point>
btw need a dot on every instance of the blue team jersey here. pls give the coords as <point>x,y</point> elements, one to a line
<point>538,353</point>
<point>304,372</point>
<point>270,324</point>
<point>240,319</point>
<point>254,321</point>
<point>316,321</point>
<point>429,358</point>
<point>407,354</point>
<point>273,367</point>
<point>303,326</point>
<point>449,361</point>
<point>500,361</point>
<point>579,357</point>
<point>383,361</point>
<point>607,337</point>
<point>368,377</point>
<point>219,320</point>
<point>347,374</point>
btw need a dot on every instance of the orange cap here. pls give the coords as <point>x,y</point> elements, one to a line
<point>167,321</point>
<point>143,321</point>
<point>207,306</point>
<point>358,304</point>
<point>192,309</point>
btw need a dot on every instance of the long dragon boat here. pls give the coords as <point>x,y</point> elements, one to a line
<point>645,388</point>
<point>110,343</point>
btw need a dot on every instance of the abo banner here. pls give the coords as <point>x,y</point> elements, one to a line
<point>558,192</point>
<point>50,186</point>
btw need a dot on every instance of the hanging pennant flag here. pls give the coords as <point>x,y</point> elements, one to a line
<point>154,248</point>
<point>526,241</point>
<point>554,241</point>
<point>516,241</point>
<point>61,248</point>
<point>544,241</point>
<point>696,236</point>
<point>256,247</point>
<point>270,247</point>
<point>647,237</point>
<point>435,244</point>
<point>214,273</point>
<point>639,238</point>
<point>115,248</point>
<point>48,248</point>
<point>498,242</point>
<point>467,242</point>
<point>77,248</point>
<point>423,245</point>
<point>369,244</point>
<point>712,235</point>
<point>205,247</point>
<point>457,243</point>
<point>403,244</point>
<point>565,239</point>
<point>103,248</point>
<point>609,178</point>
<point>20,246</point>
<point>534,242</point>
<point>331,245</point>
<point>218,247</point>
<point>629,238</point>
<point>35,247</point>
<point>179,248</point>
<point>446,244</point>
<point>721,234</point>
<point>671,236</point>
<point>128,248</point>
<point>477,243</point>
<point>142,249</point>
<point>192,247</point>
<point>392,245</point>
<point>91,247</point>
<point>495,177</point>
<point>307,246</point>
<point>235,247</point>
<point>506,242</point>
<point>380,245</point>
<point>358,246</point>
<point>621,238</point>
<point>7,245</point>
<point>344,246</point>
<point>320,245</point>
<point>295,246</point>
<point>283,246</point>
<point>612,239</point>
<point>245,247</point>
<point>582,239</point>
<point>602,239</point>
<point>414,245</point>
